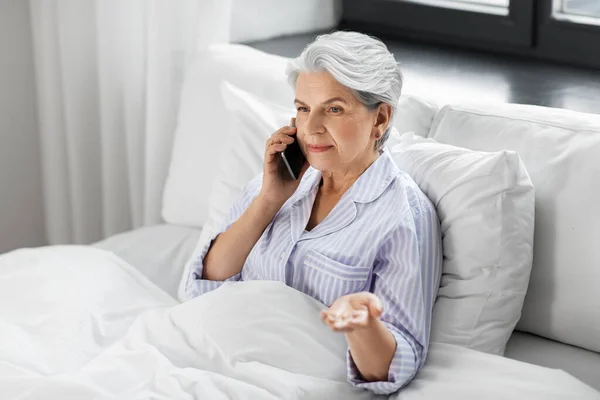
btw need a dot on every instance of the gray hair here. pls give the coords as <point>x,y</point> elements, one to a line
<point>360,62</point>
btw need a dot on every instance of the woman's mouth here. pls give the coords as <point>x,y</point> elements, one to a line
<point>318,149</point>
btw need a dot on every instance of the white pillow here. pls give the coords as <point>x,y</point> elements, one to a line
<point>252,121</point>
<point>414,114</point>
<point>485,202</point>
<point>560,149</point>
<point>202,127</point>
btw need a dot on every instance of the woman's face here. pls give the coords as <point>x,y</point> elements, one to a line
<point>334,129</point>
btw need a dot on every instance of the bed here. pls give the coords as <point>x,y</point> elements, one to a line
<point>96,327</point>
<point>161,251</point>
<point>106,321</point>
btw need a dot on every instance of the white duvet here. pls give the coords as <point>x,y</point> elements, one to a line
<point>80,323</point>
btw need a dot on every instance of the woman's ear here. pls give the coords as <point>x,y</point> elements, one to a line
<point>384,116</point>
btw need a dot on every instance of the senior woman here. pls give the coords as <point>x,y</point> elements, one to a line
<point>353,231</point>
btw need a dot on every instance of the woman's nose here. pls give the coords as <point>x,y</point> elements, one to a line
<point>313,124</point>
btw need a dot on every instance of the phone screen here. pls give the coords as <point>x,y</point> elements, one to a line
<point>292,159</point>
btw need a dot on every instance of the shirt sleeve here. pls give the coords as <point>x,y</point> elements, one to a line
<point>195,285</point>
<point>406,276</point>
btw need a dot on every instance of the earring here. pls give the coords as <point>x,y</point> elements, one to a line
<point>377,136</point>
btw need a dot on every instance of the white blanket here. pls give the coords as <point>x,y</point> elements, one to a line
<point>79,323</point>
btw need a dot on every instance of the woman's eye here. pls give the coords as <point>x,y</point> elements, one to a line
<point>335,110</point>
<point>302,109</point>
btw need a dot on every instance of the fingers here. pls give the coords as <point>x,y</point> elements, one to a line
<point>281,139</point>
<point>368,300</point>
<point>354,311</point>
<point>347,321</point>
<point>276,148</point>
<point>285,134</point>
<point>345,318</point>
<point>278,143</point>
<point>375,307</point>
<point>285,131</point>
<point>282,136</point>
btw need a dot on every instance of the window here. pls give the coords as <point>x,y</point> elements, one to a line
<point>455,21</point>
<point>500,7</point>
<point>561,30</point>
<point>583,8</point>
<point>569,30</point>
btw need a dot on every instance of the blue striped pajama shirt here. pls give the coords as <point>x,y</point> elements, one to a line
<point>382,236</point>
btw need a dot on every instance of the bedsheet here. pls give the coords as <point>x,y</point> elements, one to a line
<point>78,323</point>
<point>581,363</point>
<point>159,252</point>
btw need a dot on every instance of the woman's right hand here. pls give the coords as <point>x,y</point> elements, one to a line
<point>277,187</point>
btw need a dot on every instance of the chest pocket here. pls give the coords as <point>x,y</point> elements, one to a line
<point>326,280</point>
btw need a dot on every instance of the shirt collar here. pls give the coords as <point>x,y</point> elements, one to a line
<point>368,187</point>
<point>372,183</point>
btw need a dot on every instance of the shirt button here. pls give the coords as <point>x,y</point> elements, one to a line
<point>282,256</point>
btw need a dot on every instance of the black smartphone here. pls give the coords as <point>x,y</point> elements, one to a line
<point>293,158</point>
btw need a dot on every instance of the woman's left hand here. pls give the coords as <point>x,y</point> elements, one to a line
<point>352,312</point>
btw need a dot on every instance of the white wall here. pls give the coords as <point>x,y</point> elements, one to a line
<point>265,19</point>
<point>21,207</point>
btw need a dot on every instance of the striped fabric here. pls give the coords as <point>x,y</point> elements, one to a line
<point>383,236</point>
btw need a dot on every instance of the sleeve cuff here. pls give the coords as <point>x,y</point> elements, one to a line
<point>195,286</point>
<point>402,370</point>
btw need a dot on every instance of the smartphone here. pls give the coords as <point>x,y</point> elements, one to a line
<point>293,158</point>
